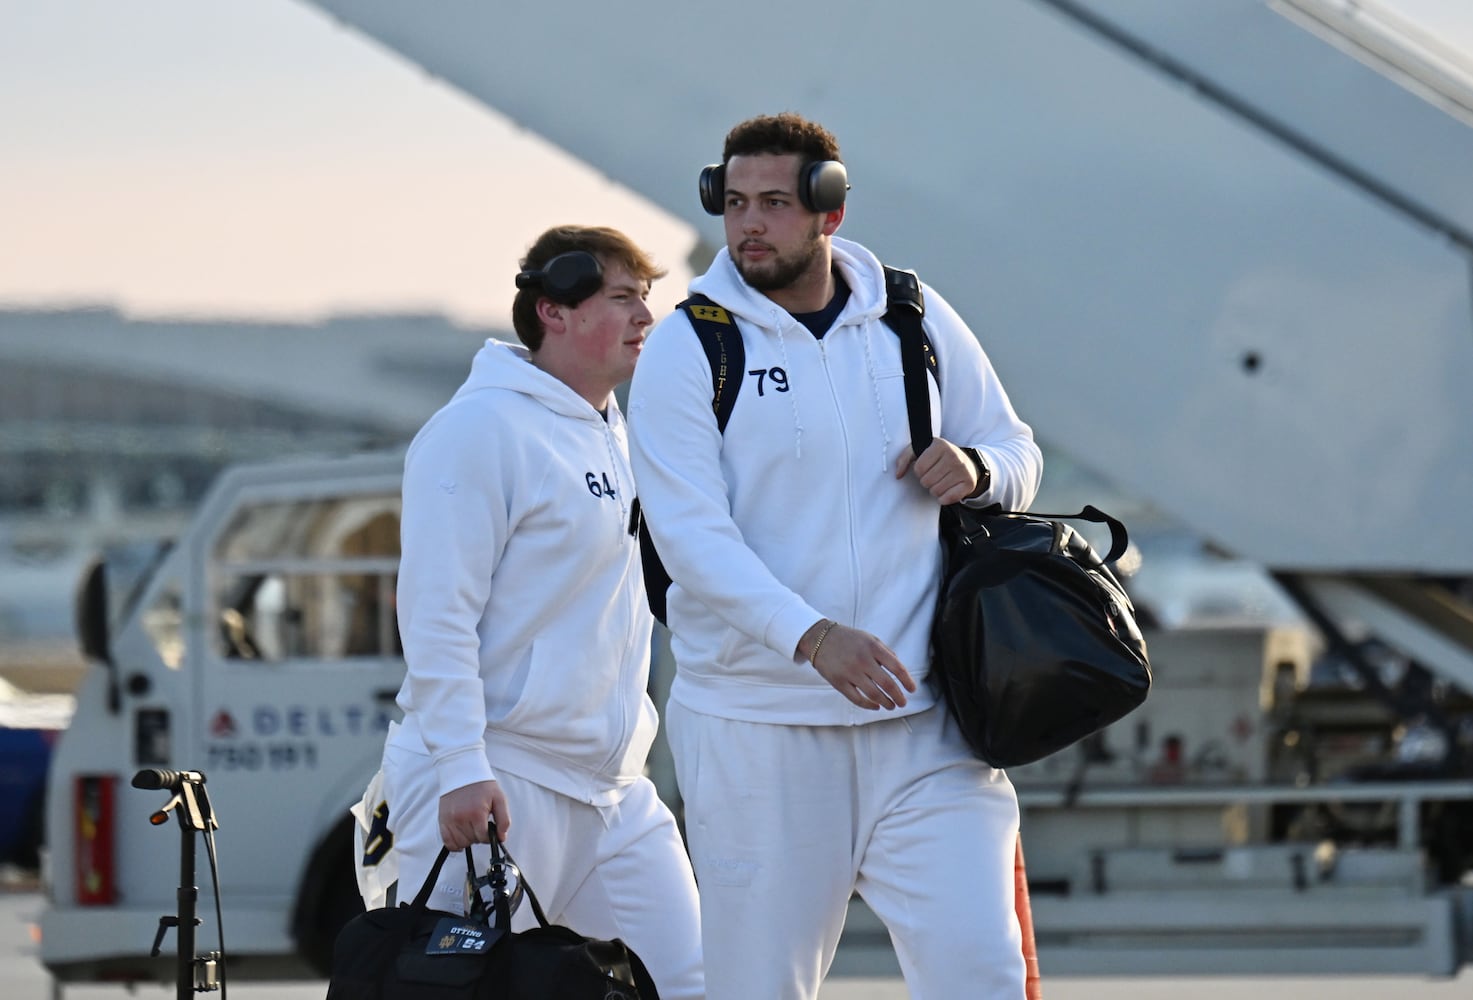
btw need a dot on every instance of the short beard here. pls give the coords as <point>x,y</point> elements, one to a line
<point>784,271</point>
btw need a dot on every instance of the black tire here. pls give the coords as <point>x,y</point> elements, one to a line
<point>328,898</point>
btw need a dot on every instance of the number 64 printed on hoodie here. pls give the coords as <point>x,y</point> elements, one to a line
<point>604,489</point>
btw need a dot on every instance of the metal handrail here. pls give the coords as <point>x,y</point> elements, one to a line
<point>1408,795</point>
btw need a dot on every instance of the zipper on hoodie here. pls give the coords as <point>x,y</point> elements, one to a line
<point>857,716</point>
<point>624,731</point>
<point>848,481</point>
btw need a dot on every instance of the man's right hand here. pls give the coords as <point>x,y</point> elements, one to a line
<point>859,666</point>
<point>465,814</point>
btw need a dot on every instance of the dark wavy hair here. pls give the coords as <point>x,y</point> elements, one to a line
<point>779,134</point>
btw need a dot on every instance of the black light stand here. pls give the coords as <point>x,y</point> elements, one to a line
<point>196,974</point>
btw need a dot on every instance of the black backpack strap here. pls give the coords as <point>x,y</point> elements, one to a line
<point>724,350</point>
<point>656,577</point>
<point>906,309</point>
<point>726,355</point>
<point>903,290</point>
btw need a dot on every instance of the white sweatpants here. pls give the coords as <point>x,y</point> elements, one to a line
<point>785,822</point>
<point>616,871</point>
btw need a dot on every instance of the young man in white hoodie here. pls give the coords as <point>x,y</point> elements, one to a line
<point>813,758</point>
<point>525,627</point>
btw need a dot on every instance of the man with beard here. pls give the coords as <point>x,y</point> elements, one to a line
<point>802,543</point>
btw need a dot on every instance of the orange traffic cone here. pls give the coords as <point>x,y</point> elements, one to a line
<point>1034,983</point>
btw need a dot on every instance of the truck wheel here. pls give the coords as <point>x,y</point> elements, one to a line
<point>328,898</point>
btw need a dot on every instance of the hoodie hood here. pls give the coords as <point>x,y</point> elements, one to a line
<point>509,367</point>
<point>861,270</point>
<point>500,365</point>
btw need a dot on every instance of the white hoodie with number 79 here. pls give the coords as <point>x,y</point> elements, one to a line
<point>794,513</point>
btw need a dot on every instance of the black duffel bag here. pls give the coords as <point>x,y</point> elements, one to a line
<point>412,952</point>
<point>1035,644</point>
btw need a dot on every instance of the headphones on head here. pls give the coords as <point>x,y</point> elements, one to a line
<point>567,279</point>
<point>822,187</point>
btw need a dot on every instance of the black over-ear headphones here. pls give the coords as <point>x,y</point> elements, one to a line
<point>822,187</point>
<point>567,279</point>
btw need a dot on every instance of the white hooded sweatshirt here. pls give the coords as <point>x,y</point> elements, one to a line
<point>794,513</point>
<point>521,595</point>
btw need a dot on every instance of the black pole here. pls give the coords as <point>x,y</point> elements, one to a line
<point>188,897</point>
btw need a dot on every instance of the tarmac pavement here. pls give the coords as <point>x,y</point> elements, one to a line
<point>23,978</point>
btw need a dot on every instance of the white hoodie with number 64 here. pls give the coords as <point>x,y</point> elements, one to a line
<point>521,597</point>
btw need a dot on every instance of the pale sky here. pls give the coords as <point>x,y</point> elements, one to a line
<point>252,158</point>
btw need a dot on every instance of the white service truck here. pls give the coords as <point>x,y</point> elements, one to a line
<point>260,648</point>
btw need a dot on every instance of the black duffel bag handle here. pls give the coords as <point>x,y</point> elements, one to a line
<point>501,914</point>
<point>496,878</point>
<point>1119,538</point>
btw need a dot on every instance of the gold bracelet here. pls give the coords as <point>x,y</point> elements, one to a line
<point>813,656</point>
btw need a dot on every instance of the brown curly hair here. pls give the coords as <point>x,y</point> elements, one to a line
<point>779,134</point>
<point>610,247</point>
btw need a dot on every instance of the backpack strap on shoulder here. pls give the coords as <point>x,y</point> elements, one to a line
<point>724,350</point>
<point>727,356</point>
<point>903,291</point>
<point>906,306</point>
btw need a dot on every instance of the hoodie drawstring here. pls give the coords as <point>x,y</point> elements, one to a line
<point>782,346</point>
<point>874,388</point>
<point>618,480</point>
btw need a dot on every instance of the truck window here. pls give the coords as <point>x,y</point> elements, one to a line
<point>309,579</point>
<point>164,622</point>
